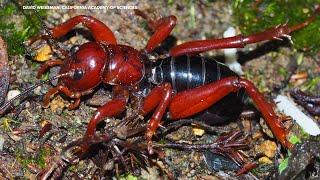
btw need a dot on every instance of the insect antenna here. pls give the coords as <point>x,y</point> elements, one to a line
<point>9,103</point>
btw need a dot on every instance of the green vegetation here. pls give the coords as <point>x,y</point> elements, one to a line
<point>284,163</point>
<point>17,25</point>
<point>128,177</point>
<point>311,85</point>
<point>38,159</point>
<point>255,16</point>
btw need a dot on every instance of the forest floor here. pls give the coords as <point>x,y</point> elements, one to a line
<point>25,155</point>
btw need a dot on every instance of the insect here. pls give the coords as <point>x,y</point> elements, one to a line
<point>181,81</point>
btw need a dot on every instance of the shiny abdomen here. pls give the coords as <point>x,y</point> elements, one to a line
<point>187,72</point>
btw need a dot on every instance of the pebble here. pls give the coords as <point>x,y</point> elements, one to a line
<point>12,94</point>
<point>198,131</point>
<point>268,148</point>
<point>37,90</point>
<point>56,16</point>
<point>257,135</point>
<point>247,126</point>
<point>192,172</point>
<point>64,1</point>
<point>57,104</point>
<point>150,173</point>
<point>27,105</point>
<point>265,128</point>
<point>66,17</point>
<point>264,160</point>
<point>43,54</point>
<point>74,39</point>
<point>1,142</point>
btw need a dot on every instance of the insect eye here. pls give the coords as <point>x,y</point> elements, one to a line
<point>78,74</point>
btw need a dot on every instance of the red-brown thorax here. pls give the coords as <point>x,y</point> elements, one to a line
<point>95,62</point>
<point>126,66</point>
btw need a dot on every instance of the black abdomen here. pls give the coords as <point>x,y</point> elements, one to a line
<point>187,72</point>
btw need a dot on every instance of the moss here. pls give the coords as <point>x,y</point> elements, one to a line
<point>128,177</point>
<point>312,84</point>
<point>284,164</point>
<point>38,159</point>
<point>294,139</point>
<point>17,25</point>
<point>252,16</point>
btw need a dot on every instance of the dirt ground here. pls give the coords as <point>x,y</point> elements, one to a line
<point>25,155</point>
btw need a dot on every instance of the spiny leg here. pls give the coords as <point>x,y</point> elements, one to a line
<point>99,30</point>
<point>112,108</point>
<point>190,102</point>
<point>161,29</point>
<point>239,41</point>
<point>109,109</point>
<point>158,98</point>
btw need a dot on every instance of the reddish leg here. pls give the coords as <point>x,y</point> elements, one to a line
<point>190,102</point>
<point>46,99</point>
<point>75,104</point>
<point>48,64</point>
<point>99,30</point>
<point>161,28</point>
<point>64,90</point>
<point>246,168</point>
<point>109,109</point>
<point>239,41</point>
<point>159,97</point>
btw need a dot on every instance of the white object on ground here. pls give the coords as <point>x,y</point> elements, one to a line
<point>231,53</point>
<point>12,94</point>
<point>1,142</point>
<point>289,108</point>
